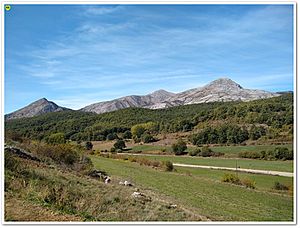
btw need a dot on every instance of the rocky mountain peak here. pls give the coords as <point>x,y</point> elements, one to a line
<point>224,83</point>
<point>38,107</point>
<point>161,93</point>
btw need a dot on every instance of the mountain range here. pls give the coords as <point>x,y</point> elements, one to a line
<point>220,90</point>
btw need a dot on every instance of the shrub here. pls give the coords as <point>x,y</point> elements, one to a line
<point>207,152</point>
<point>147,138</point>
<point>279,153</point>
<point>57,138</point>
<point>249,183</point>
<point>111,136</point>
<point>283,153</point>
<point>88,145</point>
<point>112,149</point>
<point>66,154</point>
<point>195,152</point>
<point>250,154</point>
<point>231,178</point>
<point>119,145</point>
<point>168,166</point>
<point>155,163</point>
<point>163,150</point>
<point>179,147</point>
<point>280,186</point>
<point>127,134</point>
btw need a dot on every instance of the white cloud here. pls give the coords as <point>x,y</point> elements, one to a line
<point>104,56</point>
<point>100,10</point>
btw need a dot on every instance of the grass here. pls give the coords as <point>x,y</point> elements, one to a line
<point>284,166</point>
<point>229,151</point>
<point>207,195</point>
<point>151,148</point>
<point>262,182</point>
<point>45,190</point>
<point>232,151</point>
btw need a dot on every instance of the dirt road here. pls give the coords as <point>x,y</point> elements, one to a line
<point>266,172</point>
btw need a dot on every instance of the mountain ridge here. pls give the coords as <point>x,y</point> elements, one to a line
<point>222,89</point>
<point>35,108</point>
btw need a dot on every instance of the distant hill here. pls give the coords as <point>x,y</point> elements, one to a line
<point>223,89</point>
<point>36,108</point>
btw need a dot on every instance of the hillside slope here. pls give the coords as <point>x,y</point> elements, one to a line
<point>36,108</point>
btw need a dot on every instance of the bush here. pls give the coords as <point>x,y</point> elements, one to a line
<point>163,150</point>
<point>283,153</point>
<point>279,153</point>
<point>280,186</point>
<point>206,152</point>
<point>111,136</point>
<point>231,178</point>
<point>57,138</point>
<point>112,149</point>
<point>119,145</point>
<point>168,166</point>
<point>195,152</point>
<point>88,145</point>
<point>127,134</point>
<point>249,183</point>
<point>147,138</point>
<point>179,147</point>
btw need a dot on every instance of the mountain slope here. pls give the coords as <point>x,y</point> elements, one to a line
<point>152,100</point>
<point>223,89</point>
<point>36,108</point>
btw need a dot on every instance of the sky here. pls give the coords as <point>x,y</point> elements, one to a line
<point>76,55</point>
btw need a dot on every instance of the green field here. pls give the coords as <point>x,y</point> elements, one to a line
<point>203,191</point>
<point>229,151</point>
<point>232,151</point>
<point>283,166</point>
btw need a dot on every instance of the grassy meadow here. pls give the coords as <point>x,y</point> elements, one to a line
<point>206,194</point>
<point>284,166</point>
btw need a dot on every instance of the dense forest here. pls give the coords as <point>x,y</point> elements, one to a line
<point>218,122</point>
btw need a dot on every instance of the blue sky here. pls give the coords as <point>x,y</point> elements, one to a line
<point>76,55</point>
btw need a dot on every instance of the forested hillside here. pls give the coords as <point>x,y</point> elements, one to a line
<point>209,122</point>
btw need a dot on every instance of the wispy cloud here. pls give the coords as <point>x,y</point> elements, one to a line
<point>131,54</point>
<point>101,10</point>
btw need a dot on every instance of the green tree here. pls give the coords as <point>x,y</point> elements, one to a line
<point>179,147</point>
<point>120,144</point>
<point>57,138</point>
<point>147,138</point>
<point>127,135</point>
<point>111,136</point>
<point>88,145</point>
<point>137,130</point>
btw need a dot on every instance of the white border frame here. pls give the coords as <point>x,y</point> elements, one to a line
<point>156,2</point>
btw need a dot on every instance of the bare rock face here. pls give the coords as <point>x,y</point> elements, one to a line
<point>36,108</point>
<point>223,89</point>
<point>153,100</point>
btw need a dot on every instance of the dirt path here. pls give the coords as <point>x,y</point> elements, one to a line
<point>266,172</point>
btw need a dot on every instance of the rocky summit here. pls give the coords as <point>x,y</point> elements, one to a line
<point>223,89</point>
<point>36,108</point>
